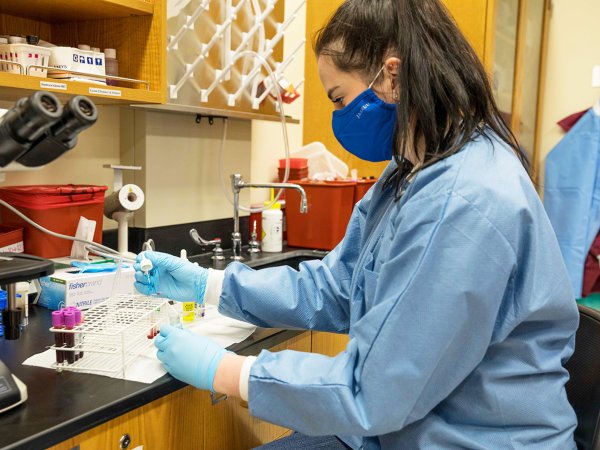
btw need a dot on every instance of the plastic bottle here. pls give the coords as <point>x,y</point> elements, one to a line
<point>272,227</point>
<point>112,65</point>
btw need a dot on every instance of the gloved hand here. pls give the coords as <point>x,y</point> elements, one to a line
<point>188,357</point>
<point>173,277</point>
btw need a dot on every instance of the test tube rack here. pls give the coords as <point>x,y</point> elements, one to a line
<point>207,65</point>
<point>114,333</point>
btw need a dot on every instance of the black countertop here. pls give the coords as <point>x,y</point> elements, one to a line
<point>62,405</point>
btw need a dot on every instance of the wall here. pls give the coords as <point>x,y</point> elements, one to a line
<point>573,49</point>
<point>180,161</point>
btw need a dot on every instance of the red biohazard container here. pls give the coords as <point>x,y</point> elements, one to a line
<point>362,186</point>
<point>55,207</point>
<point>11,239</point>
<point>330,206</point>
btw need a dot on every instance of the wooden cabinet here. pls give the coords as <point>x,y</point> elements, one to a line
<point>187,419</point>
<point>329,344</point>
<point>135,28</point>
<point>474,17</point>
<point>519,54</point>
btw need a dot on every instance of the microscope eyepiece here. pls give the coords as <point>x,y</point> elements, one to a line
<point>37,130</point>
<point>49,103</point>
<point>78,114</point>
<point>29,119</point>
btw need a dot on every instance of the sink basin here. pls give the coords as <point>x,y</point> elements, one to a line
<point>289,257</point>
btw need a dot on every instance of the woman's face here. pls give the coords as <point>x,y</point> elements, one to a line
<point>343,87</point>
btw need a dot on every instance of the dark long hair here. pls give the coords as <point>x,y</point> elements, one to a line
<point>445,96</point>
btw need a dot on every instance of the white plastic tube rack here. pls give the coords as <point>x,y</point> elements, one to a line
<point>114,334</point>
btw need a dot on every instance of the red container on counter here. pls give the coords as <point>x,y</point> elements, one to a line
<point>362,186</point>
<point>330,206</point>
<point>55,207</point>
<point>298,169</point>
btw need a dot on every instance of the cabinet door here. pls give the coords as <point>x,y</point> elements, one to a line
<point>229,425</point>
<point>329,344</point>
<point>147,426</point>
<point>475,19</point>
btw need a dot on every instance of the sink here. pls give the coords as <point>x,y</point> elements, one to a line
<point>289,257</point>
<point>293,261</point>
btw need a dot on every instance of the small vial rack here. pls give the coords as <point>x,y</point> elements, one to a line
<point>113,334</point>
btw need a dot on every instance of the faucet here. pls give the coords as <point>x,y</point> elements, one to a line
<point>237,184</point>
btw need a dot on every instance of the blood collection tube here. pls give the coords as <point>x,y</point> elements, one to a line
<point>73,309</point>
<point>70,337</point>
<point>58,323</point>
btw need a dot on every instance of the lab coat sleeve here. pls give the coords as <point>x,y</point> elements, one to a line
<point>431,310</point>
<point>314,297</point>
<point>214,287</point>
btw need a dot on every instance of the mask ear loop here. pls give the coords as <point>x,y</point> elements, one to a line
<point>376,76</point>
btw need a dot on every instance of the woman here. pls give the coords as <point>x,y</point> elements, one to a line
<point>449,280</point>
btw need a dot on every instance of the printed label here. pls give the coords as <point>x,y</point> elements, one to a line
<point>51,85</point>
<point>109,92</point>
<point>13,248</point>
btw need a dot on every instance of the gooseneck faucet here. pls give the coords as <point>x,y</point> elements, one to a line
<point>237,184</point>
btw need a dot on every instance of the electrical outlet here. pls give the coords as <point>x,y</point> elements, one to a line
<point>596,77</point>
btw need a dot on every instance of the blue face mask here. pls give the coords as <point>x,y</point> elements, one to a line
<point>366,127</point>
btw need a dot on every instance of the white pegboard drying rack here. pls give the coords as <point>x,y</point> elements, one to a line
<point>114,333</point>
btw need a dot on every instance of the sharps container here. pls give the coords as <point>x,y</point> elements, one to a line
<point>55,207</point>
<point>330,205</point>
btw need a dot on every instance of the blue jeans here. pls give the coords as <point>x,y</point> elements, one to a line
<point>299,441</point>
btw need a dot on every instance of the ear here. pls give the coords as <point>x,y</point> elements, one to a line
<point>392,65</point>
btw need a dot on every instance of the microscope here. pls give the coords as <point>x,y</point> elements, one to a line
<point>36,131</point>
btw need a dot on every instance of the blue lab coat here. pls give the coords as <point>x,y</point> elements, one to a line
<point>459,312</point>
<point>572,193</point>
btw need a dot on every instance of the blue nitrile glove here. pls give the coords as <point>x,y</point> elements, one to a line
<point>189,357</point>
<point>173,277</point>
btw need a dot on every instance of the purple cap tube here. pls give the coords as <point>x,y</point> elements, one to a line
<point>70,337</point>
<point>57,319</point>
<point>58,322</point>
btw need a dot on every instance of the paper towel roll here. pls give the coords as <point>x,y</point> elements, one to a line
<point>129,198</point>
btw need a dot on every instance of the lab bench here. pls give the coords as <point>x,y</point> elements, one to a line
<point>74,410</point>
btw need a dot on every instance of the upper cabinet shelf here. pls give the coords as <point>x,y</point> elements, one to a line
<point>135,28</point>
<point>58,11</point>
